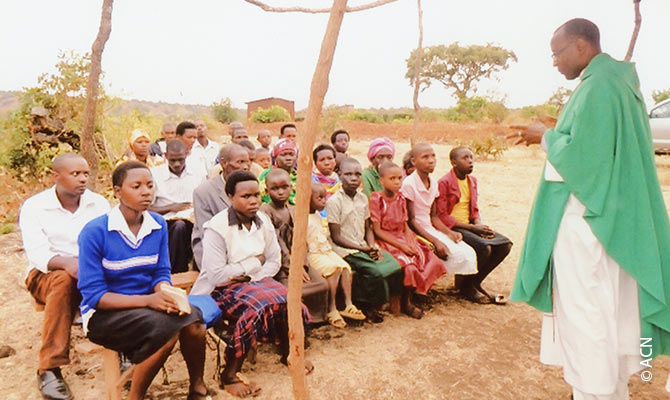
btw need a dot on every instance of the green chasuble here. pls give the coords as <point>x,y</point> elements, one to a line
<point>265,197</point>
<point>601,146</point>
<point>371,182</point>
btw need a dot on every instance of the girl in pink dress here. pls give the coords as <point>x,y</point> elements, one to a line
<point>388,212</point>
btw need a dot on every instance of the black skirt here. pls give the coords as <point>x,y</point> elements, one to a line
<point>137,333</point>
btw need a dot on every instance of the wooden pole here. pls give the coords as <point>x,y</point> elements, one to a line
<point>88,147</point>
<point>636,31</point>
<point>417,69</point>
<point>306,140</point>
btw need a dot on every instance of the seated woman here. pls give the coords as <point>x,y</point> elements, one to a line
<point>240,257</point>
<point>381,149</point>
<point>123,263</point>
<point>139,145</point>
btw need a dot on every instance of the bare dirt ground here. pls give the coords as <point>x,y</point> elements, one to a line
<point>458,350</point>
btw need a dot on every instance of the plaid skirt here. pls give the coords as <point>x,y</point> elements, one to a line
<point>256,311</point>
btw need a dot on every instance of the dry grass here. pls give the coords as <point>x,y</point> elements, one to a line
<point>459,350</point>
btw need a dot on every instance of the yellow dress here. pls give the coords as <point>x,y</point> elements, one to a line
<point>320,254</point>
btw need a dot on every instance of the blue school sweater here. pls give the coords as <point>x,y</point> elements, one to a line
<point>109,262</point>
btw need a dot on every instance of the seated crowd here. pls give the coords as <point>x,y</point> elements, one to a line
<point>375,237</point>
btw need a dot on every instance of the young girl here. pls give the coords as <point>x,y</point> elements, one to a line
<point>123,262</point>
<point>321,257</point>
<point>388,212</point>
<point>324,171</point>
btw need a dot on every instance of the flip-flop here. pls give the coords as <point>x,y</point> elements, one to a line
<point>353,312</point>
<point>335,319</point>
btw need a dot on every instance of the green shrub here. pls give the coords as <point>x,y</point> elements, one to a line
<point>273,114</point>
<point>491,147</point>
<point>660,95</point>
<point>364,115</point>
<point>223,111</point>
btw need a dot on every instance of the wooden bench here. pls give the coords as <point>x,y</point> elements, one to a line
<point>114,380</point>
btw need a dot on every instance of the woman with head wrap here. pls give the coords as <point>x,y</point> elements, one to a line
<point>284,155</point>
<point>381,149</point>
<point>139,143</point>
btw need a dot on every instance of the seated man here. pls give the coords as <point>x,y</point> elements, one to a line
<point>174,183</point>
<point>168,132</point>
<point>284,155</point>
<point>204,149</point>
<point>210,197</point>
<point>188,134</point>
<point>240,257</point>
<point>457,208</point>
<point>50,223</point>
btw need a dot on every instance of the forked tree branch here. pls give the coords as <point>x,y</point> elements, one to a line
<point>636,31</point>
<point>269,8</point>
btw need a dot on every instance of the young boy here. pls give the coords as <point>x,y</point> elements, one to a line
<point>239,135</point>
<point>457,208</point>
<point>264,138</point>
<point>322,258</point>
<point>381,149</point>
<point>378,274</point>
<point>420,190</point>
<point>340,141</point>
<point>314,288</point>
<point>284,154</point>
<point>240,257</point>
<point>261,161</point>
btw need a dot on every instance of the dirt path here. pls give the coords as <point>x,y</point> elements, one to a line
<point>459,350</point>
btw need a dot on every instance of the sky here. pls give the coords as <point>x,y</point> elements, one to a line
<point>200,51</point>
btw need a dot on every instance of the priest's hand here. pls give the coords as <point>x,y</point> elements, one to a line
<point>527,134</point>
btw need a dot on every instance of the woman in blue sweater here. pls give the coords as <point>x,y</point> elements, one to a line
<point>123,262</point>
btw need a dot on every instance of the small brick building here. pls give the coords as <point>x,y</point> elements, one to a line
<point>269,102</point>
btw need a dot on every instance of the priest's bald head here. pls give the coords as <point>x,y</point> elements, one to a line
<point>573,46</point>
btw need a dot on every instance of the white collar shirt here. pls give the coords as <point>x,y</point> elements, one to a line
<point>117,222</point>
<point>49,230</point>
<point>205,155</point>
<point>172,189</point>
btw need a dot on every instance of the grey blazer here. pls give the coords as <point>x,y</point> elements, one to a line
<point>209,199</point>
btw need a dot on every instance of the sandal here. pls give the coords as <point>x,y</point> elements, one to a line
<point>242,380</point>
<point>335,319</point>
<point>353,312</point>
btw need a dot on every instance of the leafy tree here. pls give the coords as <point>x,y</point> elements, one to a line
<point>50,117</point>
<point>273,114</point>
<point>660,95</point>
<point>459,67</point>
<point>559,97</point>
<point>223,111</point>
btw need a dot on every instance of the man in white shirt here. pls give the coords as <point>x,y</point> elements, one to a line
<point>204,149</point>
<point>188,134</point>
<point>50,223</point>
<point>174,183</point>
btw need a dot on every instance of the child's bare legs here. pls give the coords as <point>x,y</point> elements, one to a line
<point>192,343</point>
<point>346,286</point>
<point>333,280</point>
<point>146,370</point>
<point>407,306</point>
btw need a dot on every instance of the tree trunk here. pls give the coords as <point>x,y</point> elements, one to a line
<point>417,69</point>
<point>636,31</point>
<point>88,146</point>
<point>306,140</point>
